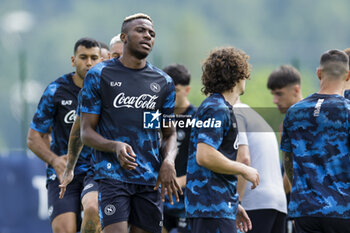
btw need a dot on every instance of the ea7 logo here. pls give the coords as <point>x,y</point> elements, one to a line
<point>66,102</point>
<point>116,84</point>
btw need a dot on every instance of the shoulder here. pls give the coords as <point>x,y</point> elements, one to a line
<point>97,69</point>
<point>58,83</point>
<point>168,79</point>
<point>213,105</point>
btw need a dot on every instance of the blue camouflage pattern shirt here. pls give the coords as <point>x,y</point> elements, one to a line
<point>347,94</point>
<point>57,110</point>
<point>122,97</point>
<point>210,194</point>
<point>316,130</point>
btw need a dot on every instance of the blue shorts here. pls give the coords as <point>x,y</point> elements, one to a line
<point>71,200</point>
<point>212,225</point>
<point>90,185</point>
<point>171,222</point>
<point>139,205</point>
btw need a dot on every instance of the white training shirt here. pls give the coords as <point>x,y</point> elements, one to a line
<point>255,132</point>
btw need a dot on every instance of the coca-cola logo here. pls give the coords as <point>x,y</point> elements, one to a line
<point>145,101</point>
<point>69,118</point>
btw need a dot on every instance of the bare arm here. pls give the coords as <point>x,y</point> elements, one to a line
<point>212,159</point>
<point>243,156</point>
<point>167,174</point>
<point>91,138</point>
<point>38,143</point>
<point>75,145</point>
<point>288,164</point>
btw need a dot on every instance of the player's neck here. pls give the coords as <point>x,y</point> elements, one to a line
<point>181,109</point>
<point>231,97</point>
<point>131,61</point>
<point>331,87</point>
<point>77,80</point>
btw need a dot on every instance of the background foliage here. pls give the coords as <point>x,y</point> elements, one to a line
<point>272,32</point>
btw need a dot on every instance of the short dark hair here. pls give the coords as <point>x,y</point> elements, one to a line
<point>223,69</point>
<point>133,17</point>
<point>283,76</point>
<point>179,73</point>
<point>334,62</point>
<point>87,43</point>
<point>103,45</point>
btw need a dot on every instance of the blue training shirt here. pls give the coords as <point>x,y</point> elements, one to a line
<point>121,97</point>
<point>57,110</point>
<point>316,130</point>
<point>210,194</point>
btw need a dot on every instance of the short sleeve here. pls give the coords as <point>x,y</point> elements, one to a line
<point>90,94</point>
<point>213,135</point>
<point>242,130</point>
<point>285,141</point>
<point>46,110</point>
<point>169,103</point>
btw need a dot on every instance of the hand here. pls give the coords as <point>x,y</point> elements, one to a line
<point>67,178</point>
<point>167,180</point>
<point>125,156</point>
<point>59,164</point>
<point>252,175</point>
<point>242,220</point>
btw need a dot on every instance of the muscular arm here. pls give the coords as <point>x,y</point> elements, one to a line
<point>91,138</point>
<point>212,159</point>
<point>38,143</point>
<point>167,174</point>
<point>75,145</point>
<point>288,164</point>
<point>169,146</point>
<point>243,156</point>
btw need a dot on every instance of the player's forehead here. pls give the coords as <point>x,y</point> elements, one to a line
<point>145,23</point>
<point>281,90</point>
<point>82,50</point>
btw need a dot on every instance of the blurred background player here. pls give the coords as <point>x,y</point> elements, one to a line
<point>174,215</point>
<point>211,198</point>
<point>57,110</point>
<point>116,95</point>
<point>105,54</point>
<point>266,205</point>
<point>315,144</point>
<point>116,46</point>
<point>285,86</point>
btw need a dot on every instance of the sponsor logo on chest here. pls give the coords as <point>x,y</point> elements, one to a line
<point>144,101</point>
<point>69,118</point>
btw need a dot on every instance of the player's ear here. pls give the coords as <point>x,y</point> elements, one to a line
<point>73,60</point>
<point>297,89</point>
<point>123,37</point>
<point>188,88</point>
<point>319,72</point>
<point>348,76</point>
